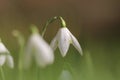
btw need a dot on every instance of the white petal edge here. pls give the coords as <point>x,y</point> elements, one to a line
<point>54,43</point>
<point>2,59</point>
<point>3,49</point>
<point>28,53</point>
<point>63,41</point>
<point>43,52</point>
<point>44,57</point>
<point>76,44</point>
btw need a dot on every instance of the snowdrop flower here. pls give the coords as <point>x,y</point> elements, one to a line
<point>39,49</point>
<point>5,57</point>
<point>63,39</point>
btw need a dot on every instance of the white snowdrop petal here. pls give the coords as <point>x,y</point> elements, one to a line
<point>53,43</point>
<point>44,58</point>
<point>63,41</point>
<point>2,59</point>
<point>28,54</point>
<point>3,49</point>
<point>43,52</point>
<point>40,50</point>
<point>76,44</point>
<point>5,56</point>
<point>9,61</point>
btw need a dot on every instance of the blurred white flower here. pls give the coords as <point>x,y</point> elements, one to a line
<point>40,50</point>
<point>5,57</point>
<point>63,39</point>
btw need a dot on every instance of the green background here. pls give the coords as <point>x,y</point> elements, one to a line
<point>94,23</point>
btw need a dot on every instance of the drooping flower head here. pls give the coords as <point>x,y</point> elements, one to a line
<point>63,39</point>
<point>38,48</point>
<point>5,57</point>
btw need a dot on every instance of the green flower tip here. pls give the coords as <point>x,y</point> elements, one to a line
<point>34,29</point>
<point>17,34</point>
<point>63,23</point>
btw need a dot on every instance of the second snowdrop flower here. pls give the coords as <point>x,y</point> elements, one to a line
<point>5,57</point>
<point>63,39</point>
<point>38,48</point>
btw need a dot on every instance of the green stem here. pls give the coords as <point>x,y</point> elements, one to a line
<point>20,66</point>
<point>62,21</point>
<point>20,39</point>
<point>20,58</point>
<point>46,25</point>
<point>2,73</point>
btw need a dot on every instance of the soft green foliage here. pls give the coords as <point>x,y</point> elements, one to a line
<point>94,65</point>
<point>100,61</point>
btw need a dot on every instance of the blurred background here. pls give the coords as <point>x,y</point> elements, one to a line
<point>95,23</point>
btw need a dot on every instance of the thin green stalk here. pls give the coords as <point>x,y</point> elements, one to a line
<point>2,73</point>
<point>44,29</point>
<point>46,25</point>
<point>20,67</point>
<point>20,58</point>
<point>20,39</point>
<point>62,21</point>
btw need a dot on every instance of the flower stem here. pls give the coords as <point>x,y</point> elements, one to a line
<point>46,25</point>
<point>2,73</point>
<point>21,42</point>
<point>62,21</point>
